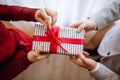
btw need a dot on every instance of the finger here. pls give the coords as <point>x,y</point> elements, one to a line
<point>84,59</point>
<point>85,53</point>
<point>76,25</point>
<point>41,21</point>
<point>53,15</point>
<point>46,18</point>
<point>81,27</point>
<point>37,51</point>
<point>77,61</point>
<point>73,59</point>
<point>39,16</point>
<point>43,56</point>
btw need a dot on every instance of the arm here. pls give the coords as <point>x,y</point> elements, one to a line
<point>103,73</point>
<point>100,19</point>
<point>17,13</point>
<point>19,62</point>
<point>108,14</point>
<point>14,66</point>
<point>45,16</point>
<point>98,71</point>
<point>14,56</point>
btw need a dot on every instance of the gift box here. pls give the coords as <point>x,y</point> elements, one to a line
<point>58,40</point>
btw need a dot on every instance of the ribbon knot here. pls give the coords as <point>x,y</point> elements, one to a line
<point>53,36</point>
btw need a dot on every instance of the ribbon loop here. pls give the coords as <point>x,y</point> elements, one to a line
<point>53,36</point>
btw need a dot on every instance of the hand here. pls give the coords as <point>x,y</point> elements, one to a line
<point>46,16</point>
<point>84,62</point>
<point>87,25</point>
<point>35,55</point>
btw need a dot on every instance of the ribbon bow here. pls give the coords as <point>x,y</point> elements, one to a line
<point>55,41</point>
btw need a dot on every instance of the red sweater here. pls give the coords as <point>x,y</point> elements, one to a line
<point>14,44</point>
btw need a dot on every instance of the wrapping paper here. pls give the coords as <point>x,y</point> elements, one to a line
<point>58,40</point>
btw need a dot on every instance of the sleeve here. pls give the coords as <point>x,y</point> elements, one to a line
<point>108,14</point>
<point>103,73</point>
<point>4,33</point>
<point>17,13</point>
<point>18,63</point>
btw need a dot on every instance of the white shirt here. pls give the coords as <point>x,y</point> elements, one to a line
<point>110,45</point>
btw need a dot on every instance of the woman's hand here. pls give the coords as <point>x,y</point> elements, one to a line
<point>83,61</point>
<point>46,16</point>
<point>35,55</point>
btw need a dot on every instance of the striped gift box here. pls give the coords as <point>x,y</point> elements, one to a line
<point>58,40</point>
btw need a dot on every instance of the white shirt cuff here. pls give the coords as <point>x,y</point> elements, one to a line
<point>96,68</point>
<point>96,28</point>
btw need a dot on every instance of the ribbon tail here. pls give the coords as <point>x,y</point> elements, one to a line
<point>63,49</point>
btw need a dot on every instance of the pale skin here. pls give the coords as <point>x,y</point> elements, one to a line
<point>36,55</point>
<point>48,18</point>
<point>86,25</point>
<point>81,59</point>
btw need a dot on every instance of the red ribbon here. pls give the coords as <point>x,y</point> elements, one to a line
<point>52,37</point>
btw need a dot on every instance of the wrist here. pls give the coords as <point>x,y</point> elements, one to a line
<point>94,26</point>
<point>95,68</point>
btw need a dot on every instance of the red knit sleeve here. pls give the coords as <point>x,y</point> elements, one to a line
<point>4,33</point>
<point>15,66</point>
<point>17,13</point>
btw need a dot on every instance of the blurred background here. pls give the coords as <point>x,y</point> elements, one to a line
<point>57,67</point>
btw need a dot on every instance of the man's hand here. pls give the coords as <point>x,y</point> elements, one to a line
<point>87,25</point>
<point>83,61</point>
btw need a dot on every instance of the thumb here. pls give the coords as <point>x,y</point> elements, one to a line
<point>81,27</point>
<point>85,53</point>
<point>43,56</point>
<point>89,63</point>
<point>83,58</point>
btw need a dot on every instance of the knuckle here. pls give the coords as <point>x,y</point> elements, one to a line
<point>35,55</point>
<point>54,14</point>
